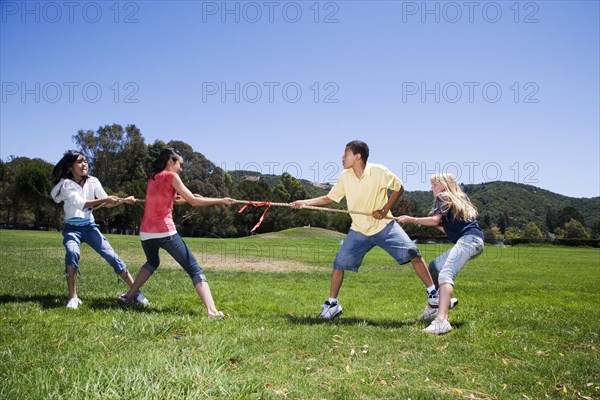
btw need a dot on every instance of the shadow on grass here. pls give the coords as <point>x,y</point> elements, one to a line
<point>48,301</point>
<point>108,303</point>
<point>294,319</point>
<point>45,300</point>
<point>389,324</point>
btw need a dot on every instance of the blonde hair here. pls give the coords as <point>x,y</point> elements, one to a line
<point>453,197</point>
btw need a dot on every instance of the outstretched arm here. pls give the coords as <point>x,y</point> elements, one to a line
<point>109,201</point>
<point>197,201</point>
<point>317,201</point>
<point>433,220</point>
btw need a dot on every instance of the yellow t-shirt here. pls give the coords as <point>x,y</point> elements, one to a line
<point>369,193</point>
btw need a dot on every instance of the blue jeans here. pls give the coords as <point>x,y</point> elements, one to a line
<point>444,268</point>
<point>392,239</point>
<point>176,247</point>
<point>73,236</point>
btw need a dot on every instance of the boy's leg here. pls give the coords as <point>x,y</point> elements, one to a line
<point>348,258</point>
<point>421,270</point>
<point>396,243</point>
<point>337,278</point>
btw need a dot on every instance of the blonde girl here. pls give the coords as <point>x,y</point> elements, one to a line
<point>454,214</point>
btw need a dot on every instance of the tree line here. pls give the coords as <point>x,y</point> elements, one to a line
<point>119,158</point>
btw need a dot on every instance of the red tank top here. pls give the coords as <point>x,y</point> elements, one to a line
<point>158,209</point>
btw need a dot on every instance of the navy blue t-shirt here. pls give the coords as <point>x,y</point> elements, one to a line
<point>455,229</point>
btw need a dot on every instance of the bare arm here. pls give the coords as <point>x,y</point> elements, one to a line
<point>379,214</point>
<point>109,201</point>
<point>433,220</point>
<point>197,201</point>
<point>317,201</point>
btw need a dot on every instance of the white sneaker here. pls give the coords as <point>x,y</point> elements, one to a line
<point>438,328</point>
<point>330,310</point>
<point>74,303</point>
<point>140,298</point>
<point>430,311</point>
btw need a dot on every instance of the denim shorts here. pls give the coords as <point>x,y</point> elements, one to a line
<point>444,268</point>
<point>392,239</point>
<point>73,236</point>
<point>176,247</point>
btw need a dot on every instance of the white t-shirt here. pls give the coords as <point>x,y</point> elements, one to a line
<point>76,196</point>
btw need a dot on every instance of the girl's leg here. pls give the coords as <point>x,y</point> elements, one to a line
<point>141,278</point>
<point>203,291</point>
<point>72,241</point>
<point>72,281</point>
<point>92,236</point>
<point>151,249</point>
<point>177,248</point>
<point>446,290</point>
<point>454,260</point>
<point>126,276</point>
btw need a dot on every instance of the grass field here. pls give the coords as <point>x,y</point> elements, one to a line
<point>527,327</point>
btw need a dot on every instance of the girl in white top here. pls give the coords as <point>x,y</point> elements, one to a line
<point>80,193</point>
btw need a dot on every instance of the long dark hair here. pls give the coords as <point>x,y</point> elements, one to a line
<point>160,163</point>
<point>62,169</point>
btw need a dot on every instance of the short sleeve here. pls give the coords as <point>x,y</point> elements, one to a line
<point>100,192</point>
<point>439,207</point>
<point>338,191</point>
<point>390,181</point>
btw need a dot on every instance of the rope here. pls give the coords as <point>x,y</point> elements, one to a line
<point>269,204</point>
<point>247,203</point>
<point>119,199</point>
<point>337,210</point>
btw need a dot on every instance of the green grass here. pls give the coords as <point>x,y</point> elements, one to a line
<point>527,326</point>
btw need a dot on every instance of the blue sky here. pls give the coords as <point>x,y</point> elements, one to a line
<point>486,90</point>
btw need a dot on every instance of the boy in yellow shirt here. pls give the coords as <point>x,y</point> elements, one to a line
<point>365,187</point>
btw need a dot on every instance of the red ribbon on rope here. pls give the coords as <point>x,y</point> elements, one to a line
<point>257,204</point>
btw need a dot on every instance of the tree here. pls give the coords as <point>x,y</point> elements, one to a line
<point>533,232</point>
<point>596,228</point>
<point>502,223</point>
<point>247,219</point>
<point>575,230</point>
<point>512,233</point>
<point>119,158</point>
<point>490,235</point>
<point>551,219</point>
<point>25,185</point>
<point>33,182</point>
<point>202,177</point>
<point>567,214</point>
<point>103,149</point>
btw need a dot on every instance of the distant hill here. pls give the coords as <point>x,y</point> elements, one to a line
<point>520,203</point>
<point>313,189</point>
